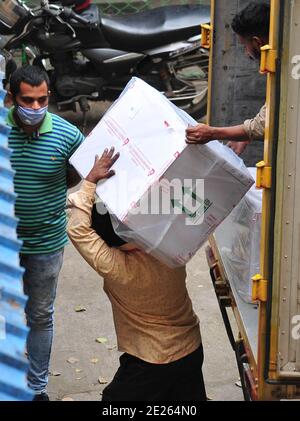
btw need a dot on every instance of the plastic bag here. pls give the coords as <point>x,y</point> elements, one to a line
<point>238,240</point>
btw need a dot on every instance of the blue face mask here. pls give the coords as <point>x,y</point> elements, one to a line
<point>29,116</point>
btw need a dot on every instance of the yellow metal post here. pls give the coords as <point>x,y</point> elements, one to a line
<point>210,30</point>
<point>206,35</point>
<point>269,54</point>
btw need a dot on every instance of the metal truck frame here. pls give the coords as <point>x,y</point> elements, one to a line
<point>267,346</point>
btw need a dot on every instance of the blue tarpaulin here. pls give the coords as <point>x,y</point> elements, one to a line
<point>13,330</point>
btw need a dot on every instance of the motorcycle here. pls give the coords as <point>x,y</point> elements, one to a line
<point>91,57</point>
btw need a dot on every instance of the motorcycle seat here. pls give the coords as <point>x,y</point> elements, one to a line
<point>154,28</point>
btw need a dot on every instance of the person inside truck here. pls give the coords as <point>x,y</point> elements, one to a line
<point>252,28</point>
<point>156,326</point>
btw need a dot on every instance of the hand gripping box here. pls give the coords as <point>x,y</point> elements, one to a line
<point>166,196</point>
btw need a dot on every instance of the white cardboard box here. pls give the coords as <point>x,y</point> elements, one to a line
<point>149,132</point>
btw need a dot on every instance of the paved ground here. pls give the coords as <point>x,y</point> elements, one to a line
<point>91,362</point>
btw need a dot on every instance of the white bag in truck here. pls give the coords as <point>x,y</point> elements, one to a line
<point>238,240</point>
<point>166,196</point>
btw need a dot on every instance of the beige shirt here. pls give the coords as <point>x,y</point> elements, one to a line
<point>255,127</point>
<point>153,313</point>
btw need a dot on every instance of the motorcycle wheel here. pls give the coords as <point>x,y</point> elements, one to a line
<point>194,80</point>
<point>198,108</point>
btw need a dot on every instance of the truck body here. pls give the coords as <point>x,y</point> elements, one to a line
<point>267,345</point>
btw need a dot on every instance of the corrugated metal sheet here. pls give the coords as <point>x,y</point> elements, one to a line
<point>13,330</point>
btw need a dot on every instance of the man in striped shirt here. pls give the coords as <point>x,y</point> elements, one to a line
<point>41,145</point>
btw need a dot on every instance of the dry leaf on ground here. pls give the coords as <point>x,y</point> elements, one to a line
<point>111,347</point>
<point>101,340</point>
<point>72,360</point>
<point>80,309</point>
<point>54,373</point>
<point>238,383</point>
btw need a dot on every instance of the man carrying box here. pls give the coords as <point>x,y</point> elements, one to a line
<point>155,324</point>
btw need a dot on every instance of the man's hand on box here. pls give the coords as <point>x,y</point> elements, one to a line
<point>102,166</point>
<point>199,135</point>
<point>238,147</point>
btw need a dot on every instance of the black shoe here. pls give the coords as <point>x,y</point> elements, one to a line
<point>41,397</point>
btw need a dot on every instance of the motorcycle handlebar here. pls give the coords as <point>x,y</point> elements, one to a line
<point>68,13</point>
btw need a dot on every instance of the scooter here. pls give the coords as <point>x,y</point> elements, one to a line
<point>91,57</point>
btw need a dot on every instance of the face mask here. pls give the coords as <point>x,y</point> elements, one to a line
<point>31,117</point>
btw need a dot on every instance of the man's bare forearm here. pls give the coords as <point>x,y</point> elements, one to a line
<point>234,133</point>
<point>202,134</point>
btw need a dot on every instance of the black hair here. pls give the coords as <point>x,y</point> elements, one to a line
<point>32,75</point>
<point>101,223</point>
<point>253,20</point>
